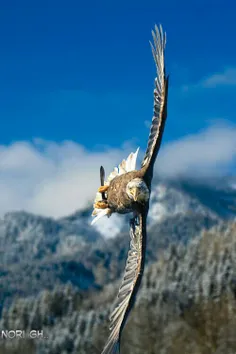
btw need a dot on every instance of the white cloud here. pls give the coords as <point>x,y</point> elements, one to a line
<point>227,77</point>
<point>210,152</point>
<point>49,178</point>
<point>56,179</point>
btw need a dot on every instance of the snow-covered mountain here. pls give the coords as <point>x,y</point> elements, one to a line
<point>38,252</point>
<point>27,237</point>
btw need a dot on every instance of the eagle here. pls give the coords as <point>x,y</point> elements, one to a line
<point>128,190</point>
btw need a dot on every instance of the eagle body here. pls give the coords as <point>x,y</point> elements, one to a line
<point>117,197</point>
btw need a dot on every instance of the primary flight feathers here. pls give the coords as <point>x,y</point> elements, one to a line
<point>160,98</point>
<point>131,280</point>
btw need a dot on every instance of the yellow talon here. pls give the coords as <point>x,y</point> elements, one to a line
<point>102,189</point>
<point>100,205</point>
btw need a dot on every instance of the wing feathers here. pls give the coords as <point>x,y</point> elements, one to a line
<point>130,284</point>
<point>160,99</point>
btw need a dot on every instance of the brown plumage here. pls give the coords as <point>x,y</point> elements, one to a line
<point>117,197</point>
<point>128,190</point>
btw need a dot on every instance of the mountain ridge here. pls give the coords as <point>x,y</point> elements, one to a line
<point>50,251</point>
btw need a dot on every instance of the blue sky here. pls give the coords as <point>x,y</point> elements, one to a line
<point>78,77</point>
<point>72,69</point>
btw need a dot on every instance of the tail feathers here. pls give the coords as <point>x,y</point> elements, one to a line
<point>99,213</point>
<point>125,166</point>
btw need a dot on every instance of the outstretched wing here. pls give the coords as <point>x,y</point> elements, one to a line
<point>160,100</point>
<point>130,284</point>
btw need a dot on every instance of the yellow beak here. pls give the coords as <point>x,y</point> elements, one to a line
<point>135,195</point>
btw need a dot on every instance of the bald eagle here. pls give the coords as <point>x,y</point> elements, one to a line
<point>128,190</point>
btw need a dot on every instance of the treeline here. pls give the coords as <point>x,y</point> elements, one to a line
<point>186,305</point>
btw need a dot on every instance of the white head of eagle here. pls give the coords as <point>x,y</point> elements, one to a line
<point>137,190</point>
